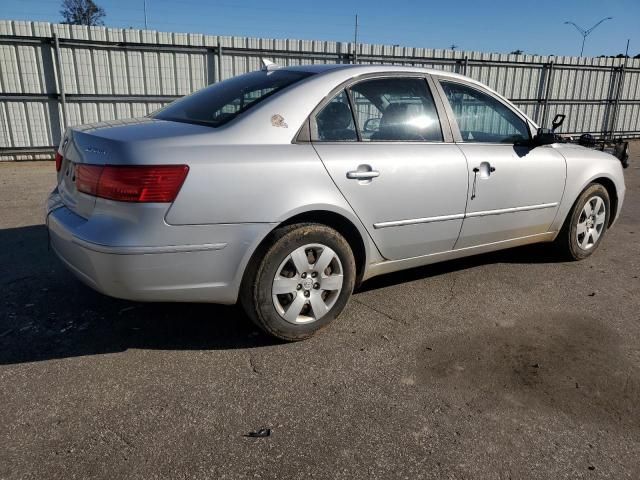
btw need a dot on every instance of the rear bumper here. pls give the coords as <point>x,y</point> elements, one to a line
<point>185,272</point>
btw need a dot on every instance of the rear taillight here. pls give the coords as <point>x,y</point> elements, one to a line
<point>58,161</point>
<point>87,178</point>
<point>157,183</point>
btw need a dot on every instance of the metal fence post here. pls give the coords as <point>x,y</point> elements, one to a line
<point>547,93</point>
<point>212,71</point>
<point>616,102</point>
<point>60,82</point>
<point>219,61</point>
<point>342,58</point>
<point>608,119</point>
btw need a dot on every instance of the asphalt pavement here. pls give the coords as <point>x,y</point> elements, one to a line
<point>503,366</point>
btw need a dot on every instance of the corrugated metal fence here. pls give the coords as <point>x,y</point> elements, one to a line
<point>52,76</point>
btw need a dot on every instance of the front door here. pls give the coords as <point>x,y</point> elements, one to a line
<point>514,190</point>
<point>406,184</point>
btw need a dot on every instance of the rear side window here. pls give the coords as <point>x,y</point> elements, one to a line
<point>396,109</point>
<point>222,102</point>
<point>335,121</point>
<point>482,118</point>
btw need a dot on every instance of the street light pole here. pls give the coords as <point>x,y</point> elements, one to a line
<point>586,32</point>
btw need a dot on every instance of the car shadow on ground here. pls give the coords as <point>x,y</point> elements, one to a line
<point>528,254</point>
<point>45,313</point>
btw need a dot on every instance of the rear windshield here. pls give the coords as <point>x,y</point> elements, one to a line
<point>222,102</point>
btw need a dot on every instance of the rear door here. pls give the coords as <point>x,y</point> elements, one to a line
<point>515,190</point>
<point>385,148</point>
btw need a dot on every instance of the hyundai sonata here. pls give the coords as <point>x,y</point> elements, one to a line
<point>286,187</point>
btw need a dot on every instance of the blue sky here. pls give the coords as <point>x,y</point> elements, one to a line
<point>495,26</point>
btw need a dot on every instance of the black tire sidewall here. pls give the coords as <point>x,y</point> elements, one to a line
<point>286,242</point>
<point>575,250</point>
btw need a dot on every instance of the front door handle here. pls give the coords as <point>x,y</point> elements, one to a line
<point>363,175</point>
<point>485,170</point>
<point>363,172</point>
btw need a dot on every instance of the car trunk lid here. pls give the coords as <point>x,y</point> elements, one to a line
<point>109,143</point>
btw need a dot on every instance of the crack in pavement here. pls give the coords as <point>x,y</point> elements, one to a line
<point>403,322</point>
<point>452,293</point>
<point>252,365</point>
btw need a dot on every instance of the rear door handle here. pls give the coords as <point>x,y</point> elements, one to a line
<point>366,175</point>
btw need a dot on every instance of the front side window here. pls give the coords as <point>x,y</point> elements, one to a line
<point>482,118</point>
<point>396,109</point>
<point>222,102</point>
<point>335,121</point>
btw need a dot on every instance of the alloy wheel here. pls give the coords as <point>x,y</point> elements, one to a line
<point>307,283</point>
<point>591,222</point>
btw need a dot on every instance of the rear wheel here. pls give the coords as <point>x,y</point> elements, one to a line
<point>302,282</point>
<point>587,224</point>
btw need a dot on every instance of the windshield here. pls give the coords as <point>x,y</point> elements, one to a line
<point>222,102</point>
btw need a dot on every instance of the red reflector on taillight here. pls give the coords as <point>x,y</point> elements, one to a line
<point>58,161</point>
<point>87,177</point>
<point>157,183</point>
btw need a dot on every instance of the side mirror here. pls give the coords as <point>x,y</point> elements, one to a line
<point>544,137</point>
<point>558,120</point>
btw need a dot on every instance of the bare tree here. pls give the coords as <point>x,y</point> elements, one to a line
<point>82,12</point>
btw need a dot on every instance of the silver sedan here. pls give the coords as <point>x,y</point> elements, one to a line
<point>286,187</point>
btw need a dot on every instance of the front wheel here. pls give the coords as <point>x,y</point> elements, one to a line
<point>587,224</point>
<point>302,282</point>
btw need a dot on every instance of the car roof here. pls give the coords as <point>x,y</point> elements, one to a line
<point>351,70</point>
<point>359,69</point>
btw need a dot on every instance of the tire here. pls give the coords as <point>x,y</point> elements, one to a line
<point>582,234</point>
<point>308,300</point>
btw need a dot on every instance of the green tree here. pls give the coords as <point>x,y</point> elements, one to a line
<point>517,52</point>
<point>82,12</point>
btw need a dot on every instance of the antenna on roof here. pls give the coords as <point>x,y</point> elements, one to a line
<point>268,65</point>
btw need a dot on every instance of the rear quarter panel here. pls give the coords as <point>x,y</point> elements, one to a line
<point>257,184</point>
<point>251,184</point>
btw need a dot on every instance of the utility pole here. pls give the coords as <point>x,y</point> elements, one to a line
<point>144,4</point>
<point>626,52</point>
<point>355,42</point>
<point>585,33</point>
